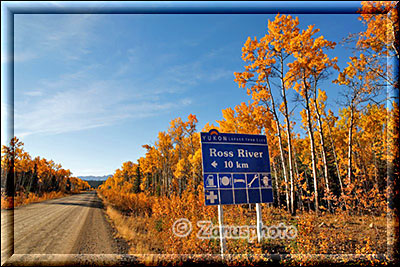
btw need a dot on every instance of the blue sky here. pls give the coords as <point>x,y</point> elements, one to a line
<point>90,90</point>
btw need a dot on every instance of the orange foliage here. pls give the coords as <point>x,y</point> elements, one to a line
<point>35,179</point>
<point>170,173</point>
<point>22,199</point>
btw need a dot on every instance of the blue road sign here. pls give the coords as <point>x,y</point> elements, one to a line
<point>236,168</point>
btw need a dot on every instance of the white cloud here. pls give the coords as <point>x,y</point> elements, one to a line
<point>78,101</point>
<point>98,94</point>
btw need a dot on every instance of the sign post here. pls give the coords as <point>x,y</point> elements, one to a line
<point>259,222</point>
<point>221,229</point>
<point>236,170</point>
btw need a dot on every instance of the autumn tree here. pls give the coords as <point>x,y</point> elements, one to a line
<point>358,91</point>
<point>21,175</point>
<point>267,60</point>
<point>296,60</point>
<point>382,23</point>
<point>378,44</point>
<point>247,118</point>
<point>150,168</point>
<point>138,179</point>
<point>368,71</point>
<point>193,141</point>
<point>177,135</point>
<point>334,140</point>
<point>185,145</point>
<point>9,157</point>
<point>311,65</point>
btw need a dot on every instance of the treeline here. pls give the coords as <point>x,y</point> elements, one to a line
<point>34,176</point>
<point>173,163</point>
<point>337,161</point>
<point>95,183</point>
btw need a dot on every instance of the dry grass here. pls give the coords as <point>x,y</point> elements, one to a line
<point>329,234</point>
<point>134,230</point>
<point>324,237</point>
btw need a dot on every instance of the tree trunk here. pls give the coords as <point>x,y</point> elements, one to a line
<point>336,161</point>
<point>312,149</point>
<point>193,170</point>
<point>297,174</point>
<point>278,127</point>
<point>289,140</point>
<point>180,182</point>
<point>308,182</point>
<point>350,144</point>
<point>324,153</point>
<point>283,166</point>
<point>276,184</point>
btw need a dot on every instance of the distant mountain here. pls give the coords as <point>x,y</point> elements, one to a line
<point>94,178</point>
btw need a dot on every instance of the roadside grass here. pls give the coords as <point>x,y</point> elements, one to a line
<point>328,233</point>
<point>133,229</point>
<point>339,237</point>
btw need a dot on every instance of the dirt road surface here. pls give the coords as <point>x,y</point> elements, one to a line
<point>71,225</point>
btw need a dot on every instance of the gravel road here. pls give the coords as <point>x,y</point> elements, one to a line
<point>71,225</point>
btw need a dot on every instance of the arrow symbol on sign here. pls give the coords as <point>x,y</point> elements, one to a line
<point>214,164</point>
